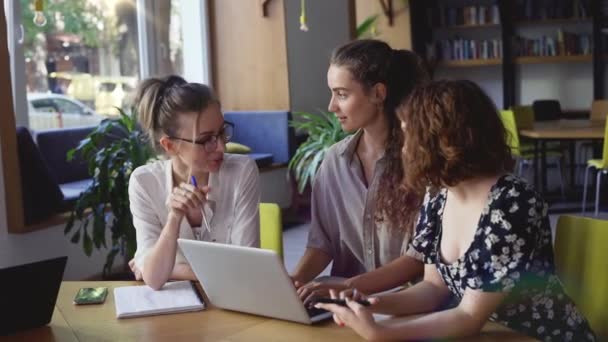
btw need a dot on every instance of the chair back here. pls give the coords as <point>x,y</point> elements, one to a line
<point>271,228</point>
<point>524,116</point>
<point>547,110</point>
<point>599,110</point>
<point>581,260</point>
<point>508,120</point>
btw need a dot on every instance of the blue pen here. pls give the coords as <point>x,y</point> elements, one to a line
<point>207,226</point>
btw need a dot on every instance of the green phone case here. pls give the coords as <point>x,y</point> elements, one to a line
<point>91,295</point>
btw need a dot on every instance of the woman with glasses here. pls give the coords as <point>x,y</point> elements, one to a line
<point>198,191</point>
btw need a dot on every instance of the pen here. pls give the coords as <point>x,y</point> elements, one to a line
<point>207,226</point>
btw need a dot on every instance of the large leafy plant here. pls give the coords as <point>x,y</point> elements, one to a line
<point>323,131</point>
<point>112,151</point>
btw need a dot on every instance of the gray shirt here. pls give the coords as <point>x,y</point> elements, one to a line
<point>343,221</point>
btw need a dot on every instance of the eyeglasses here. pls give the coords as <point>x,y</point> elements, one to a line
<point>209,142</point>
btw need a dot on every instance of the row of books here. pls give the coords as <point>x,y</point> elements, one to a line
<point>563,44</point>
<point>464,49</point>
<point>529,10</point>
<point>468,15</point>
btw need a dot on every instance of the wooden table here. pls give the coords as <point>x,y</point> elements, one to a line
<point>98,323</point>
<point>559,130</point>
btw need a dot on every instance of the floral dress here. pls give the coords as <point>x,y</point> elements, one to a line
<point>511,252</point>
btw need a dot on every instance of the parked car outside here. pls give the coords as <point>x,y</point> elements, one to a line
<point>47,111</point>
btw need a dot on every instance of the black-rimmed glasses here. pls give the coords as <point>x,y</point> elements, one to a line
<point>209,142</point>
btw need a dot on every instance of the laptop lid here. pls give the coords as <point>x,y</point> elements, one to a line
<point>29,293</point>
<point>245,279</point>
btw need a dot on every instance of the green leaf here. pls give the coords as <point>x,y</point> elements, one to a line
<point>366,26</point>
<point>76,237</point>
<point>87,244</point>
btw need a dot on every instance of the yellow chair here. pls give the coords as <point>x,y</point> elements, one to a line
<point>581,260</point>
<point>601,165</point>
<point>524,156</point>
<point>524,116</point>
<point>599,110</point>
<point>271,228</point>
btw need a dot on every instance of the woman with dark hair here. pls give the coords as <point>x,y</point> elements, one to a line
<point>198,191</point>
<point>484,234</point>
<point>360,219</point>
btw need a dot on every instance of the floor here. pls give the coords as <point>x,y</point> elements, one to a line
<point>294,240</point>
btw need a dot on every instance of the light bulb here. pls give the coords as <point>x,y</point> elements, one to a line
<point>39,19</point>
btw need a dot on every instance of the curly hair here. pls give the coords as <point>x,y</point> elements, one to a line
<point>452,133</point>
<point>370,62</point>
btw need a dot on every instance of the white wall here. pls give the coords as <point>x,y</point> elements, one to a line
<point>571,84</point>
<point>489,78</point>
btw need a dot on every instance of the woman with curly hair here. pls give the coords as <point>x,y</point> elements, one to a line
<point>360,219</point>
<point>483,233</point>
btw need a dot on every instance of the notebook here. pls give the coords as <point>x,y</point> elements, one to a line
<point>173,297</point>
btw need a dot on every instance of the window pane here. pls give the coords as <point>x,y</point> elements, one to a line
<point>168,40</point>
<point>87,51</point>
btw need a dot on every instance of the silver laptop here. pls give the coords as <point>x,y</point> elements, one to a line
<point>248,280</point>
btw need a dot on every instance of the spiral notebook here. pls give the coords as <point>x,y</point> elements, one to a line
<point>173,297</point>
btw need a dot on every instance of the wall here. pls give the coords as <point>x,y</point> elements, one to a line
<point>249,55</point>
<point>398,35</point>
<point>330,25</point>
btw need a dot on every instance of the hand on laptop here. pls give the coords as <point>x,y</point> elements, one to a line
<point>136,271</point>
<point>316,289</point>
<point>354,315</point>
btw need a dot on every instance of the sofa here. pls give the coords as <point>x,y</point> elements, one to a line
<point>52,184</point>
<point>267,133</point>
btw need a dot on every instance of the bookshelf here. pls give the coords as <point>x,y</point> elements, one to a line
<point>554,59</point>
<point>529,32</point>
<point>470,62</point>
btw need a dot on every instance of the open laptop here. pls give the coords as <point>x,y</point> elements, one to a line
<point>29,293</point>
<point>245,279</point>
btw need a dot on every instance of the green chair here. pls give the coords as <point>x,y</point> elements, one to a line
<point>581,260</point>
<point>601,166</point>
<point>525,156</point>
<point>271,228</point>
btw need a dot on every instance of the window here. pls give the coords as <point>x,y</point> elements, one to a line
<point>89,57</point>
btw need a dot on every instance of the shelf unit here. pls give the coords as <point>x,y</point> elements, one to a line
<point>423,28</point>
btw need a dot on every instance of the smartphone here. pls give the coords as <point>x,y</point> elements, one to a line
<point>341,302</point>
<point>91,295</point>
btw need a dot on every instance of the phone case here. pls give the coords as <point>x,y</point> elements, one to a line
<point>91,295</point>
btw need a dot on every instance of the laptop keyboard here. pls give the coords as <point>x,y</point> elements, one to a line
<point>313,312</point>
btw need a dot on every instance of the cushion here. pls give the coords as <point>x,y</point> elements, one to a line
<point>262,159</point>
<point>236,148</point>
<point>41,195</point>
<point>72,190</point>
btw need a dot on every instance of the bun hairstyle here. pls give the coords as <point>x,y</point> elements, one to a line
<point>159,101</point>
<point>371,62</point>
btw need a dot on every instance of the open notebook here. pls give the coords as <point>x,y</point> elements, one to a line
<point>174,297</point>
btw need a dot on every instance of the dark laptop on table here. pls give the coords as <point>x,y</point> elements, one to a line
<point>29,293</point>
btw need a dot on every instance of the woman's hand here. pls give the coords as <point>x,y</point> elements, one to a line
<point>186,197</point>
<point>316,289</point>
<point>354,315</point>
<point>136,271</point>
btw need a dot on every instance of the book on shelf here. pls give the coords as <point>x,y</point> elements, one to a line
<point>467,15</point>
<point>535,10</point>
<point>464,49</point>
<point>562,44</point>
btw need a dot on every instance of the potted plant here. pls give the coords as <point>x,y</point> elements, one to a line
<point>112,151</point>
<point>323,131</point>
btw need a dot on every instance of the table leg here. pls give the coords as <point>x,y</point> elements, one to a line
<point>536,183</point>
<point>573,166</point>
<point>543,166</point>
